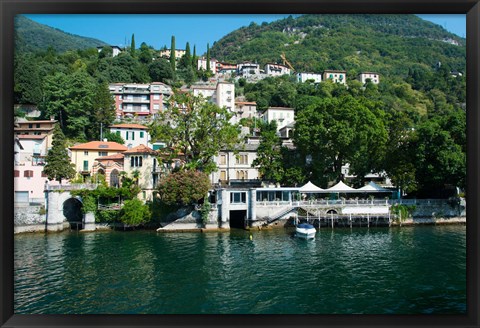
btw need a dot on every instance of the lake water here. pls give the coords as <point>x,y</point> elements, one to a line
<point>369,271</point>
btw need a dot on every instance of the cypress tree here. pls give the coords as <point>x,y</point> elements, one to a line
<point>58,165</point>
<point>208,57</point>
<point>188,59</point>
<point>132,46</point>
<point>194,57</point>
<point>172,53</point>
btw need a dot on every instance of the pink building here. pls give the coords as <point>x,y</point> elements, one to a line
<point>139,100</point>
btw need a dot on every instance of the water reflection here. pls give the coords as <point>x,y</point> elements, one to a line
<point>376,270</point>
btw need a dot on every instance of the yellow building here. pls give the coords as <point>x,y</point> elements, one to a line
<point>84,155</point>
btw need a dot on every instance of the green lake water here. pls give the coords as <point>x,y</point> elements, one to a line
<point>368,271</point>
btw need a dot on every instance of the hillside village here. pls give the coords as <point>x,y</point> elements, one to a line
<point>136,105</point>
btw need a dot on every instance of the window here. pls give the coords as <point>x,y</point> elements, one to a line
<point>223,159</point>
<point>242,159</point>
<point>85,165</point>
<point>238,197</point>
<point>16,173</point>
<point>141,134</point>
<point>133,135</point>
<point>30,126</point>
<point>28,174</point>
<point>223,175</point>
<point>85,153</point>
<point>102,153</point>
<point>38,125</point>
<point>136,161</point>
<point>156,106</point>
<point>156,97</point>
<point>117,133</point>
<point>44,175</point>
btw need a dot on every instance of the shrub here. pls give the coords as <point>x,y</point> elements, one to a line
<point>185,187</point>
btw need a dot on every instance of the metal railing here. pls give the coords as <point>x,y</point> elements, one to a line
<point>76,186</point>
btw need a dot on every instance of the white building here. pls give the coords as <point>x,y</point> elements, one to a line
<point>335,76</point>
<point>276,70</point>
<point>235,168</point>
<point>303,77</point>
<point>247,69</point>
<point>372,76</point>
<point>115,50</point>
<point>202,65</point>
<point>222,94</point>
<point>133,134</point>
<point>283,116</point>
<point>245,109</point>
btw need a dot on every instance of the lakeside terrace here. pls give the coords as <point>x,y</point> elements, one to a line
<point>264,206</point>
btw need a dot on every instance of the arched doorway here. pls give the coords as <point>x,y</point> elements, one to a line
<point>114,182</point>
<point>72,210</point>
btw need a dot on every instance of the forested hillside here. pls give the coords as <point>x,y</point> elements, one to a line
<point>387,44</point>
<point>31,36</point>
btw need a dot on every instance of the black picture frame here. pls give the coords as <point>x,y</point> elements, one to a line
<point>10,8</point>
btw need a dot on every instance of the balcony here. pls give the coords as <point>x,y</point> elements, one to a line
<point>136,100</point>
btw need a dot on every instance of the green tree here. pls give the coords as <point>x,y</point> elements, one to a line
<point>132,46</point>
<point>269,154</point>
<point>69,99</point>
<point>195,128</point>
<point>104,109</point>
<point>58,166</point>
<point>110,136</point>
<point>338,131</point>
<point>208,57</point>
<point>160,70</point>
<point>194,57</point>
<point>184,187</point>
<point>172,55</point>
<point>134,212</point>
<point>145,55</point>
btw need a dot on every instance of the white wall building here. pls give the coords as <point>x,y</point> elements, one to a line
<point>247,69</point>
<point>222,94</point>
<point>283,116</point>
<point>276,70</point>
<point>202,64</point>
<point>133,134</point>
<point>235,167</point>
<point>303,77</point>
<point>335,76</point>
<point>372,76</point>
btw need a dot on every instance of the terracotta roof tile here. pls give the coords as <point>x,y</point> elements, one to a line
<point>140,149</point>
<point>100,145</point>
<point>129,126</point>
<point>114,156</point>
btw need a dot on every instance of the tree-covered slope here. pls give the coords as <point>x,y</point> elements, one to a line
<point>387,44</point>
<point>31,36</point>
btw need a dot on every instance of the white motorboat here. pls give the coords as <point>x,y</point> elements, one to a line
<point>305,230</point>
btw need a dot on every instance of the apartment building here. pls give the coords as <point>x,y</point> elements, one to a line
<point>276,70</point>
<point>222,93</point>
<point>36,139</point>
<point>248,68</point>
<point>140,100</point>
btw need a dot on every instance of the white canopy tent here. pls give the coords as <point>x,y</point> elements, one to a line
<point>310,188</point>
<point>373,187</point>
<point>341,187</point>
